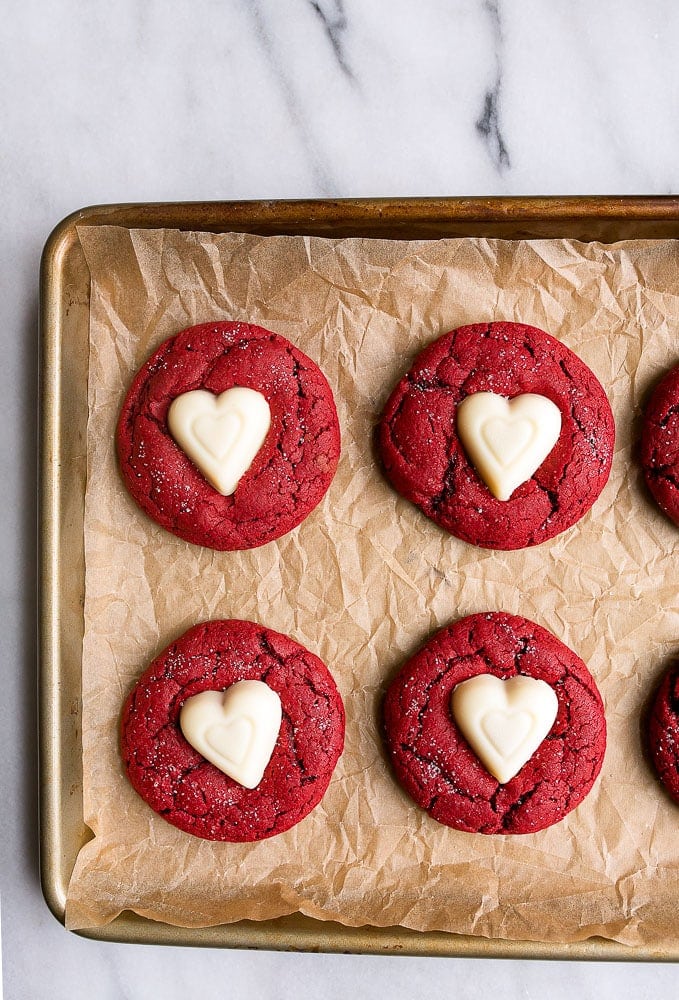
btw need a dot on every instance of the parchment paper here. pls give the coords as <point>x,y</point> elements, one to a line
<point>366,579</point>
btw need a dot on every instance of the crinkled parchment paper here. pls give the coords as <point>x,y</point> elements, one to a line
<point>366,579</point>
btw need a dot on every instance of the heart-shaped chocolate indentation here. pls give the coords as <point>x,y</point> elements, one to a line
<point>236,730</point>
<point>220,434</point>
<point>504,721</point>
<point>507,440</point>
<point>506,731</point>
<point>231,740</point>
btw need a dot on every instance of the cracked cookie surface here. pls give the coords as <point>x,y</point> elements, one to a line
<point>436,766</point>
<point>663,731</point>
<point>660,444</point>
<point>191,793</point>
<point>424,458</point>
<point>290,473</point>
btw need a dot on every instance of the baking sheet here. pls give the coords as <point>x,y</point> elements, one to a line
<point>523,610</point>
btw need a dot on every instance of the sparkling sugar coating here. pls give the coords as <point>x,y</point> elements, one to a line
<point>424,458</point>
<point>290,473</point>
<point>437,767</point>
<point>190,792</point>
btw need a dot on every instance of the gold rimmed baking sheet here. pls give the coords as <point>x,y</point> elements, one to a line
<point>65,324</point>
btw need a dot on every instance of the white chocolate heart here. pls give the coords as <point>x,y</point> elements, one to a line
<point>507,440</point>
<point>236,730</point>
<point>220,434</point>
<point>504,721</point>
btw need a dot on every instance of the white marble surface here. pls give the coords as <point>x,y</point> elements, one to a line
<point>207,99</point>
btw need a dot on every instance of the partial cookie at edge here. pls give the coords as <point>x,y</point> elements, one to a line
<point>663,731</point>
<point>660,444</point>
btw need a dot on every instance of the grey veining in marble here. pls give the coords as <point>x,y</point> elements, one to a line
<point>334,19</point>
<point>489,124</point>
<point>206,99</point>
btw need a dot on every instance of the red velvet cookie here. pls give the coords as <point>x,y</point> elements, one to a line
<point>663,731</point>
<point>425,459</point>
<point>189,791</point>
<point>660,444</point>
<point>290,471</point>
<point>437,766</point>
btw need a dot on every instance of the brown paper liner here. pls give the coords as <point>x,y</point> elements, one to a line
<point>367,578</point>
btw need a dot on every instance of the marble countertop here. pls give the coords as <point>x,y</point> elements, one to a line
<point>229,99</point>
